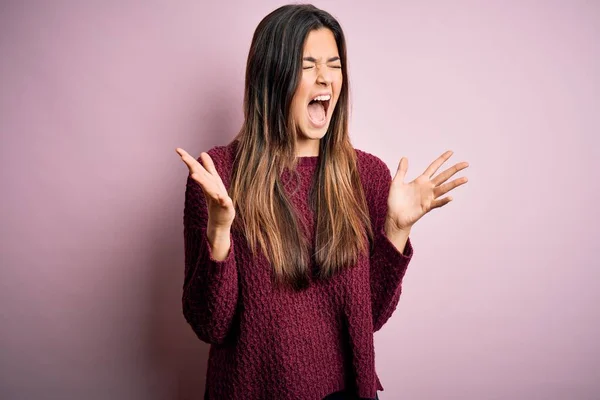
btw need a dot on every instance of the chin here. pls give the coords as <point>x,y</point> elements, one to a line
<point>310,132</point>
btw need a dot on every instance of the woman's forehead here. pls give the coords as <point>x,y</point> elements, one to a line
<point>320,45</point>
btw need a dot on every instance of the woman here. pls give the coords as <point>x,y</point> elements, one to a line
<point>295,242</point>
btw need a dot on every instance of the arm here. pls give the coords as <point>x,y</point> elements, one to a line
<point>210,289</point>
<point>391,252</point>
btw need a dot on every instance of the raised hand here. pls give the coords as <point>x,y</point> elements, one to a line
<point>408,202</point>
<point>220,206</point>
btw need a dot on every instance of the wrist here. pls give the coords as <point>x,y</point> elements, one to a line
<point>392,229</point>
<point>216,232</point>
<point>398,236</point>
<point>219,240</point>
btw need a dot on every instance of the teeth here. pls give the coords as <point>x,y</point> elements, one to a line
<point>322,98</point>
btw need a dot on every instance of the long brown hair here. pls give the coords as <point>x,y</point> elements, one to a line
<point>267,146</point>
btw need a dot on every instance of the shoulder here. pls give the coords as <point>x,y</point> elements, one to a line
<point>370,167</point>
<point>375,176</point>
<point>222,154</point>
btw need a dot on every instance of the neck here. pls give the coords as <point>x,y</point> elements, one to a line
<point>307,147</point>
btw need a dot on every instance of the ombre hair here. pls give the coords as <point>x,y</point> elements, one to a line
<point>267,146</point>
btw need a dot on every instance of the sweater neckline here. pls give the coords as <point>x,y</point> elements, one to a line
<point>307,161</point>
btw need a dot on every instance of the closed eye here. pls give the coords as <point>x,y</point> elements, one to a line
<point>331,66</point>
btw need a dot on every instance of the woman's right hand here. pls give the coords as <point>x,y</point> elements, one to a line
<point>221,211</point>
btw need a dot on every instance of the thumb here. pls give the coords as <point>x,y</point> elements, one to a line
<point>402,168</point>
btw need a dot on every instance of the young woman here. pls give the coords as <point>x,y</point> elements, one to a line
<point>295,242</point>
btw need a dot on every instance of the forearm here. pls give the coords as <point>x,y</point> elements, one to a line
<point>398,237</point>
<point>389,260</point>
<point>219,239</point>
<point>210,292</point>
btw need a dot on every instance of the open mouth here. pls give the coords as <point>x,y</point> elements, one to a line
<point>317,109</point>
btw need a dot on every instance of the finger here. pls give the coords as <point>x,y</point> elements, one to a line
<point>189,161</point>
<point>437,163</point>
<point>445,188</point>
<point>208,163</point>
<point>182,153</point>
<point>196,170</point>
<point>440,202</point>
<point>445,175</point>
<point>201,171</point>
<point>402,168</point>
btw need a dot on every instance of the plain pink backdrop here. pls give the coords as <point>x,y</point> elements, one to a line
<point>500,300</point>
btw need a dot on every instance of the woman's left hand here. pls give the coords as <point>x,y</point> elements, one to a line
<point>408,202</point>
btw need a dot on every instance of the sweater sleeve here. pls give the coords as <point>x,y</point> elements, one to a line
<point>210,289</point>
<point>387,264</point>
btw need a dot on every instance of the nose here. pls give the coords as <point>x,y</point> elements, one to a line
<point>324,75</point>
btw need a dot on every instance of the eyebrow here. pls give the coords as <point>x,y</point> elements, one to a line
<point>312,59</point>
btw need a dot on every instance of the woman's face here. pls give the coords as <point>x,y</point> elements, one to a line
<point>318,91</point>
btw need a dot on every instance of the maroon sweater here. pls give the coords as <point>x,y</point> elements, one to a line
<point>276,344</point>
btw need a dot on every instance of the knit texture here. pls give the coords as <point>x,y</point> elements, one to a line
<point>279,344</point>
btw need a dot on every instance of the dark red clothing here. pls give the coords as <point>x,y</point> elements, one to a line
<point>274,344</point>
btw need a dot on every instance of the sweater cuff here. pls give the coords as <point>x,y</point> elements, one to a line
<point>388,250</point>
<point>207,251</point>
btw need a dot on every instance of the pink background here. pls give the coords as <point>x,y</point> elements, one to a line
<point>500,300</point>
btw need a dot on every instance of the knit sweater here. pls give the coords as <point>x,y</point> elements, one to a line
<point>275,344</point>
